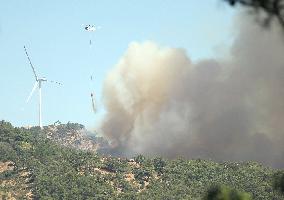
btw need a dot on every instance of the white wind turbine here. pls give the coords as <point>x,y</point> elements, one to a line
<point>38,84</point>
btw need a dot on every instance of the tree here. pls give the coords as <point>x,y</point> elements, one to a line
<point>141,175</point>
<point>115,165</point>
<point>139,159</point>
<point>279,181</point>
<point>273,8</point>
<point>7,152</point>
<point>159,165</point>
<point>225,193</point>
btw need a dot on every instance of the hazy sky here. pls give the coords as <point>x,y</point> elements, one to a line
<point>59,48</point>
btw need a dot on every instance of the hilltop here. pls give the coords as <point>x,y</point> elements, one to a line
<point>46,164</point>
<point>74,135</point>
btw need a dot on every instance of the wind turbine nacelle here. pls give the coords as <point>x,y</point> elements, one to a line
<point>42,79</point>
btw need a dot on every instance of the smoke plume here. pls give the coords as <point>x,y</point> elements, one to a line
<point>158,102</point>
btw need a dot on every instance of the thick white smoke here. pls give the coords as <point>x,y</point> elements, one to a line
<point>160,103</point>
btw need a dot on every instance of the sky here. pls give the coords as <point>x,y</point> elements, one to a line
<point>53,33</point>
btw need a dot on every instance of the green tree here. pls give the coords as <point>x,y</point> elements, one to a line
<point>139,159</point>
<point>225,193</point>
<point>115,165</point>
<point>7,152</point>
<point>159,165</point>
<point>141,175</point>
<point>279,181</point>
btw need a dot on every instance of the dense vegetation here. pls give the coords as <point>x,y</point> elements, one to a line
<point>51,171</point>
<point>226,193</point>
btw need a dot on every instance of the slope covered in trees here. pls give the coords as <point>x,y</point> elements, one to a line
<point>33,166</point>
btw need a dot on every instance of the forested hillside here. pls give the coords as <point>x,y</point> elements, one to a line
<point>34,166</point>
<point>75,135</point>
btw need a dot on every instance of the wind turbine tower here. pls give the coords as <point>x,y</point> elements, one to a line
<point>38,83</point>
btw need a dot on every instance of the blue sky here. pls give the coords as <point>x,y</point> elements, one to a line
<point>59,48</point>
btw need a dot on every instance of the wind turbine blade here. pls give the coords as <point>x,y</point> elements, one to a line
<point>31,63</point>
<point>93,103</point>
<point>35,85</point>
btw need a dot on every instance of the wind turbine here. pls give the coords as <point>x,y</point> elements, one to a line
<point>38,83</point>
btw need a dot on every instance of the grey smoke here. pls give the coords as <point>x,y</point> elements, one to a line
<point>158,102</point>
